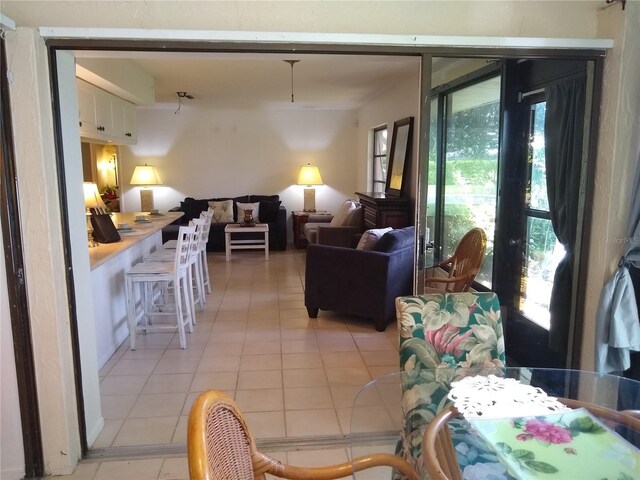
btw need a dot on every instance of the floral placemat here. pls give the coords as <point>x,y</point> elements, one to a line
<point>560,446</point>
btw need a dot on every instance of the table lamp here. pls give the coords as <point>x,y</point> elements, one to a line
<point>309,175</point>
<point>92,199</point>
<point>145,175</point>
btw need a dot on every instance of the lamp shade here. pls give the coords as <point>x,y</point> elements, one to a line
<point>145,175</point>
<point>92,198</point>
<point>309,175</point>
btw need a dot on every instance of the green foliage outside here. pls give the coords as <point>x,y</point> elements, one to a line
<point>467,172</point>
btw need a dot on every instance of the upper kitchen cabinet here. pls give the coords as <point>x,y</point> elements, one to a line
<point>108,91</point>
<point>103,116</point>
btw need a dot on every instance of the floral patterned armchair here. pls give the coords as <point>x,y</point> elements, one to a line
<point>441,336</point>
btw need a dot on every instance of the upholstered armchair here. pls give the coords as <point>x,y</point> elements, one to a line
<point>361,282</point>
<point>442,335</point>
<point>341,229</point>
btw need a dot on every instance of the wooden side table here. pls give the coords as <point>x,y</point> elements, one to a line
<point>262,244</point>
<point>299,219</point>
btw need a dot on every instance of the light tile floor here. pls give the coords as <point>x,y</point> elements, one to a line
<point>291,375</point>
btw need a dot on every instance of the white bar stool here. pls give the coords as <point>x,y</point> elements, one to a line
<point>195,266</point>
<point>148,277</point>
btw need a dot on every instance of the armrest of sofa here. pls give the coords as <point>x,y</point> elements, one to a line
<point>336,236</point>
<point>343,269</point>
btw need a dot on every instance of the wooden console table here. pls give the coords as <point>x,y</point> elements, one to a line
<point>381,210</point>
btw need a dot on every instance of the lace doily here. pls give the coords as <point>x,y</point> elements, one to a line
<point>496,397</point>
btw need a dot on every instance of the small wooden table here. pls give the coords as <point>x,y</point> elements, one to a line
<point>231,244</point>
<point>300,218</point>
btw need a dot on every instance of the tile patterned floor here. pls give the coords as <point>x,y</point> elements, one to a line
<point>291,375</point>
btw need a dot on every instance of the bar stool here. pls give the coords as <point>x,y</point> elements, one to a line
<point>195,266</point>
<point>153,280</point>
<point>202,247</point>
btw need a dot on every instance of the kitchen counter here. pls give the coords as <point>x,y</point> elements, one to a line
<point>140,231</point>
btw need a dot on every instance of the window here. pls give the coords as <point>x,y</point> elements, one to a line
<point>379,159</point>
<point>542,252</point>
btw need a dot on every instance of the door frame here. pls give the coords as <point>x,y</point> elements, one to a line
<point>17,288</point>
<point>246,42</point>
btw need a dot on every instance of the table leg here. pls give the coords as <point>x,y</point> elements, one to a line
<point>227,244</point>
<point>266,245</point>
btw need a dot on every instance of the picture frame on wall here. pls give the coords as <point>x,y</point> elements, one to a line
<point>399,157</point>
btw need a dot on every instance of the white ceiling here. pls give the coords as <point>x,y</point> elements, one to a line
<point>233,79</point>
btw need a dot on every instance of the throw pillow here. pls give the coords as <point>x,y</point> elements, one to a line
<point>222,211</point>
<point>342,215</point>
<point>254,207</point>
<point>371,237</point>
<point>269,211</point>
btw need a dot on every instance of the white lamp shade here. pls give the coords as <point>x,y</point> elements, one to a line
<point>92,198</point>
<point>309,175</point>
<point>145,175</point>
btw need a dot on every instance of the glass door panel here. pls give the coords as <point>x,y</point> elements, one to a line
<point>432,172</point>
<point>471,167</point>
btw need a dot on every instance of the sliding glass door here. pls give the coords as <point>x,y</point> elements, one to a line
<point>486,167</point>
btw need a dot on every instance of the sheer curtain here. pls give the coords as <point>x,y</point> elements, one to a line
<point>563,130</point>
<point>617,323</point>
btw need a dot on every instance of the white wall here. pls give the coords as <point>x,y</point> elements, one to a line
<point>618,149</point>
<point>206,152</point>
<point>41,224</point>
<point>11,451</point>
<point>400,102</point>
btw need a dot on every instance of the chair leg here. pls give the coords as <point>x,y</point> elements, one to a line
<point>131,313</point>
<point>205,271</point>
<point>380,324</point>
<point>179,292</point>
<point>187,292</point>
<point>199,284</point>
<point>312,312</point>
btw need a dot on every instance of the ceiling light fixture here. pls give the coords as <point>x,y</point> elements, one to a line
<point>291,62</point>
<point>182,95</point>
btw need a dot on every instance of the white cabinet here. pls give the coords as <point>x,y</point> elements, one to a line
<point>124,119</point>
<point>103,116</point>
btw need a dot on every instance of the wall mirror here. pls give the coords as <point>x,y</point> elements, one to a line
<point>399,155</point>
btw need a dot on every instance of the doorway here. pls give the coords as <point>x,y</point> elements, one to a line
<point>423,126</point>
<point>486,168</point>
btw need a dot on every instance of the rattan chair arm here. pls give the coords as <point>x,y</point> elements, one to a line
<point>624,417</point>
<point>437,446</point>
<point>265,464</point>
<point>450,279</point>
<point>437,443</point>
<point>443,263</point>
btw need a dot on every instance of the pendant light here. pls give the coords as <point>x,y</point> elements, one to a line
<point>180,96</point>
<point>291,62</point>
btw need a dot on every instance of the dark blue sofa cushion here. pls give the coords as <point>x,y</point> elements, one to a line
<point>395,240</point>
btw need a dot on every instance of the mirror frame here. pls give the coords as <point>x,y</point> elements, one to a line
<point>399,157</point>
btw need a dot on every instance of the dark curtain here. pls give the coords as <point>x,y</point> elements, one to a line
<point>563,131</point>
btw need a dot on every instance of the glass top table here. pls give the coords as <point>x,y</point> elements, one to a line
<point>377,413</point>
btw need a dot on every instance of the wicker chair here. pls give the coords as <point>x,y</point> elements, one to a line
<point>463,265</point>
<point>220,446</point>
<point>439,453</point>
